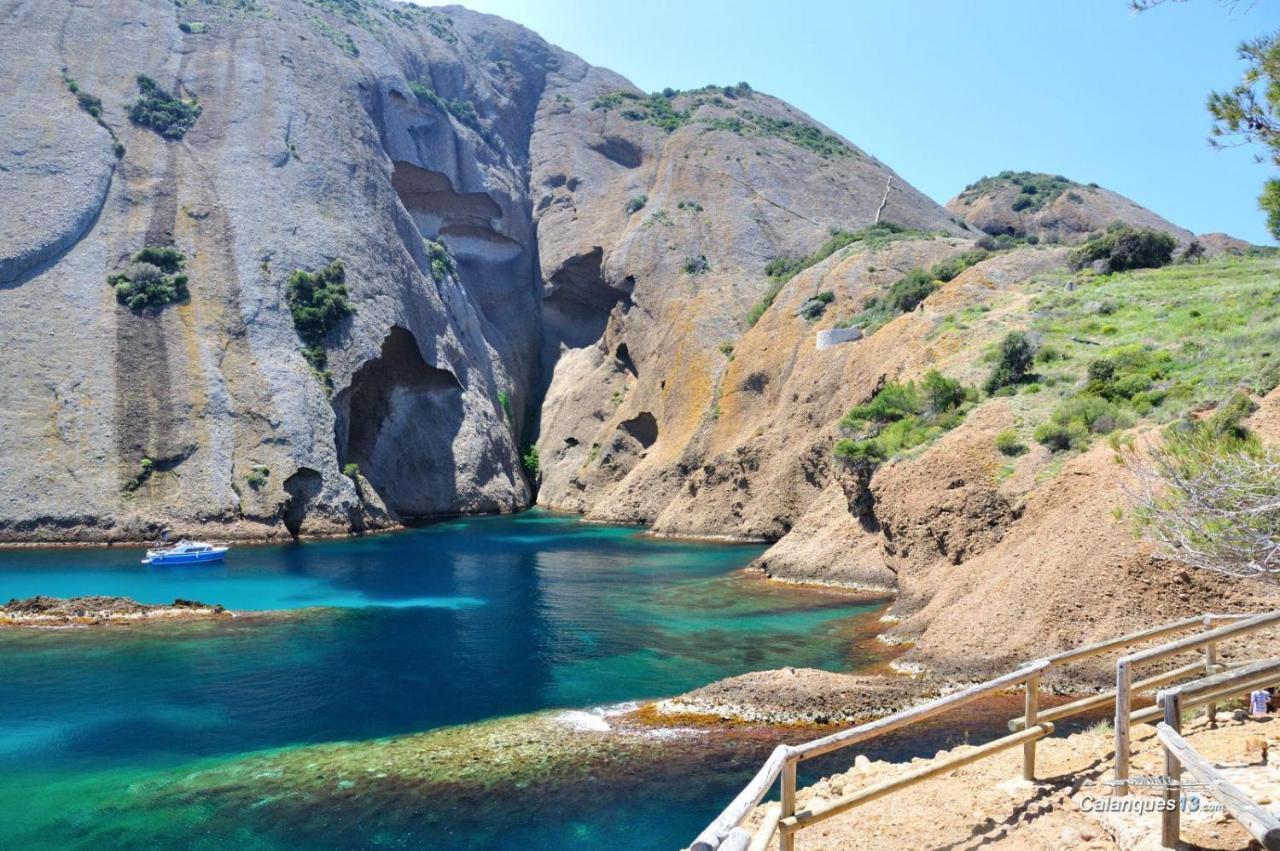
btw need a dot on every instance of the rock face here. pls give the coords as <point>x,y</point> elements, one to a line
<point>589,251</point>
<point>1051,208</point>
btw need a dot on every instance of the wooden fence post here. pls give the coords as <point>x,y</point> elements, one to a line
<point>1170,818</point>
<point>1029,720</point>
<point>1124,680</point>
<point>1211,668</point>
<point>786,837</point>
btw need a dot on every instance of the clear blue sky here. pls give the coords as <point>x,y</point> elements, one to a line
<point>946,91</point>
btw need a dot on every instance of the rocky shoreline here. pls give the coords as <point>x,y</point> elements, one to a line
<point>799,697</point>
<point>90,611</point>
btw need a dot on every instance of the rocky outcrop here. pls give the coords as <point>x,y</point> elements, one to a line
<point>1052,208</point>
<point>56,612</point>
<point>800,696</point>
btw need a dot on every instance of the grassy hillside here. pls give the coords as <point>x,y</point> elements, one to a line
<point>1113,351</point>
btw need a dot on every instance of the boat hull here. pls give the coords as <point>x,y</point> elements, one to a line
<point>216,554</point>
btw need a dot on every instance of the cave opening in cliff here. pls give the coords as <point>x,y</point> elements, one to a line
<point>578,302</point>
<point>396,421</point>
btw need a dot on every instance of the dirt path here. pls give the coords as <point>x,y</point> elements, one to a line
<point>987,805</point>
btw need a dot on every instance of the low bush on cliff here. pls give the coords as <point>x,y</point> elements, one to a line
<point>903,416</point>
<point>318,302</point>
<point>655,109</point>
<point>1035,190</point>
<point>1122,247</point>
<point>461,109</point>
<point>903,296</point>
<point>783,269</point>
<point>92,105</point>
<point>802,135</point>
<point>949,269</point>
<point>698,265</point>
<point>160,111</point>
<point>145,468</point>
<point>153,279</point>
<point>442,265</point>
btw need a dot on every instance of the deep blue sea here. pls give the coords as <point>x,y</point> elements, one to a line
<point>447,626</point>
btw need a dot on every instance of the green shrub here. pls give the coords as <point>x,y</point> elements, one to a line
<point>529,460</point>
<point>145,467</point>
<point>1124,247</point>
<point>1013,362</point>
<point>903,296</point>
<point>1095,413</point>
<point>637,203</point>
<point>1059,437</point>
<point>902,416</point>
<point>351,471</point>
<point>1035,190</point>
<point>160,111</point>
<point>753,124</point>
<point>783,269</point>
<point>696,265</point>
<point>1228,419</point>
<point>153,279</point>
<point>93,106</point>
<point>461,109</point>
<point>726,349</point>
<point>892,402</point>
<point>318,302</point>
<point>504,400</point>
<point>949,269</point>
<point>1007,443</point>
<point>909,290</point>
<point>442,265</point>
<point>257,477</point>
<point>941,393</point>
<point>655,109</point>
<point>813,309</point>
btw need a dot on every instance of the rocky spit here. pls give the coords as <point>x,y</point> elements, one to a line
<point>90,611</point>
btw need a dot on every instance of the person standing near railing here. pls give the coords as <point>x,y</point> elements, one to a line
<point>1260,703</point>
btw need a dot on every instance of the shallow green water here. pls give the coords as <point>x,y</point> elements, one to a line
<point>453,624</point>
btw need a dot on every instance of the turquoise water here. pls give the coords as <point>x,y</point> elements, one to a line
<point>452,624</point>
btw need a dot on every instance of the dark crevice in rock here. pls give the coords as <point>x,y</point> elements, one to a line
<point>624,152</point>
<point>643,427</point>
<point>433,202</point>
<point>578,301</point>
<point>397,420</point>
<point>623,356</point>
<point>303,487</point>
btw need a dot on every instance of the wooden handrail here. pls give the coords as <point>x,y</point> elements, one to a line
<point>1084,704</point>
<point>726,834</point>
<point>744,803</point>
<point>1261,823</point>
<point>825,811</point>
<point>889,723</point>
<point>1124,675</point>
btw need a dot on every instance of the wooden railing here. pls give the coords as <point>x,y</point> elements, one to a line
<point>726,833</point>
<point>1125,688</point>
<point>1179,756</point>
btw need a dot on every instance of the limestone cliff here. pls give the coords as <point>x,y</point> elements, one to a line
<point>515,226</point>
